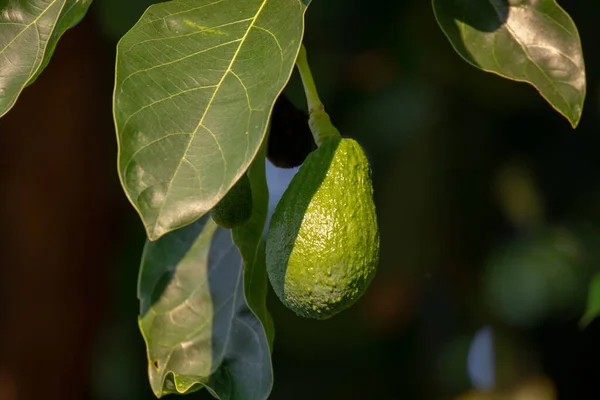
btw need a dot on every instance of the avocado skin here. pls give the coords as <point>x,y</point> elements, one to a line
<point>322,246</point>
<point>235,208</point>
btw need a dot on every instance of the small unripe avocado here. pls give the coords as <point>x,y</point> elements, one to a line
<point>322,247</point>
<point>235,208</point>
<point>290,139</point>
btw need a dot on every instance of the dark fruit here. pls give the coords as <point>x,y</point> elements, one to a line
<point>235,208</point>
<point>290,139</point>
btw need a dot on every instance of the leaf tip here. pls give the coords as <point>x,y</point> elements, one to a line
<point>155,231</point>
<point>575,121</point>
<point>151,233</point>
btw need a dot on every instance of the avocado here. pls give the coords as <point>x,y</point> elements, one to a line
<point>322,246</point>
<point>236,207</point>
<point>290,139</point>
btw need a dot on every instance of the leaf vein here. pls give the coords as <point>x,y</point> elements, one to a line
<point>28,26</point>
<point>220,150</point>
<point>161,100</point>
<point>249,114</point>
<point>145,146</point>
<point>200,123</point>
<point>175,61</point>
<point>195,171</point>
<point>510,29</point>
<point>180,12</point>
<point>157,39</point>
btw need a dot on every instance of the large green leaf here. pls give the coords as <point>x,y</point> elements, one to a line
<point>250,240</point>
<point>195,85</point>
<point>532,41</point>
<point>198,328</point>
<point>29,32</point>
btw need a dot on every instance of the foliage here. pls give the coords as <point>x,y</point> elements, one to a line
<point>195,85</point>
<point>29,32</point>
<point>202,311</point>
<point>529,41</point>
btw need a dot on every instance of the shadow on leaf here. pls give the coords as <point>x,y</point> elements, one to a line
<point>481,15</point>
<point>194,318</point>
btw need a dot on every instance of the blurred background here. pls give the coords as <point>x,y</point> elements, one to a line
<point>488,203</point>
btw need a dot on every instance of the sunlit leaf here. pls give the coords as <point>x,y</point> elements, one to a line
<point>532,41</point>
<point>195,85</point>
<point>198,329</point>
<point>29,32</point>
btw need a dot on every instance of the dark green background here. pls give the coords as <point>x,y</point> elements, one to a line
<point>439,133</point>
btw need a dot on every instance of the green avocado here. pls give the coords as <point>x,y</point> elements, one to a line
<point>322,247</point>
<point>236,207</point>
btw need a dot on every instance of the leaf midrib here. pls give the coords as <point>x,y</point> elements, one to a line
<point>28,26</point>
<point>200,122</point>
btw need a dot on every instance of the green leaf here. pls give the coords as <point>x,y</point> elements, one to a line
<point>198,329</point>
<point>593,306</point>
<point>528,41</point>
<point>29,32</point>
<point>195,85</point>
<point>250,240</point>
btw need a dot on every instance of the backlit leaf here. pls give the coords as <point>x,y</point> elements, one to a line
<point>532,41</point>
<point>198,329</point>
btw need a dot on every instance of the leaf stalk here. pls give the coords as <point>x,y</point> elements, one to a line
<point>319,121</point>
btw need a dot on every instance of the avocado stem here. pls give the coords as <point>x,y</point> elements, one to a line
<point>320,124</point>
